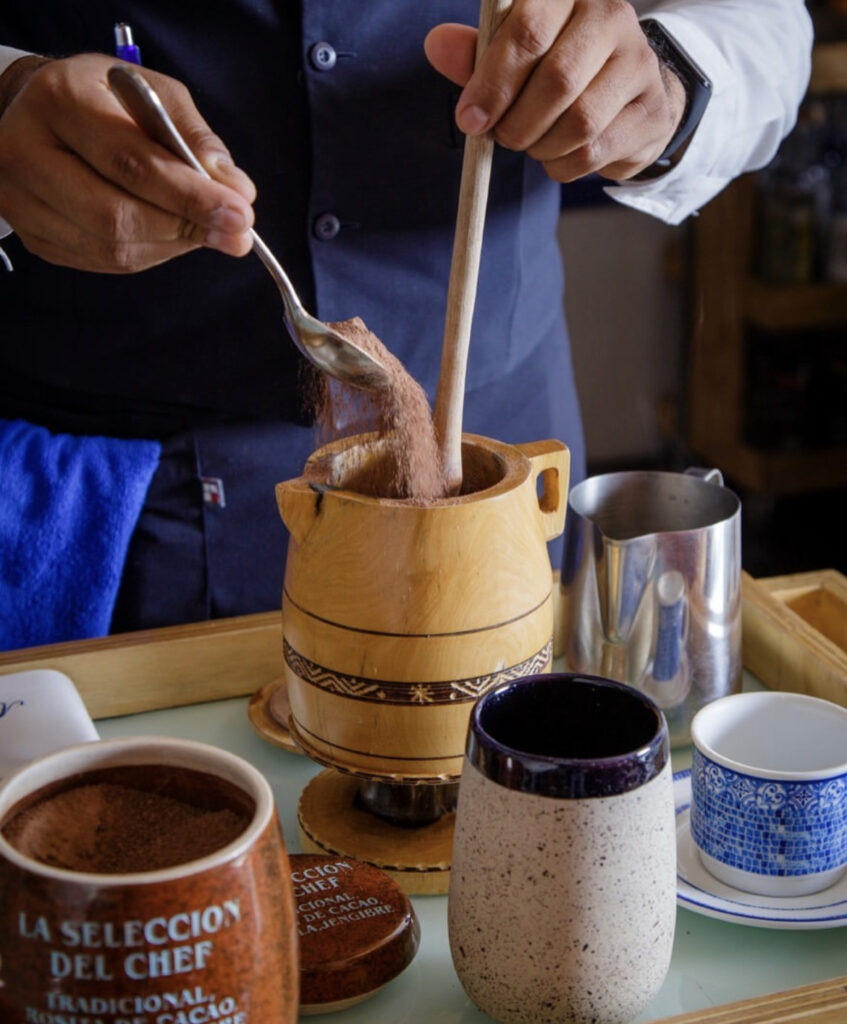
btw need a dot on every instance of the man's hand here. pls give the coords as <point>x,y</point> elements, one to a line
<point>574,83</point>
<point>83,186</point>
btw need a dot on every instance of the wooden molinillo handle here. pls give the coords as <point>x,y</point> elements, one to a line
<point>464,271</point>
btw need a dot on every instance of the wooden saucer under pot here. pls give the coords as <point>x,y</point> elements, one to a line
<point>268,713</point>
<point>331,822</point>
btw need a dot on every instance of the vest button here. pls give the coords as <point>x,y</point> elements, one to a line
<point>322,57</point>
<point>326,227</point>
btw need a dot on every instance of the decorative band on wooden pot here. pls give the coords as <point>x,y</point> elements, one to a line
<point>397,614</point>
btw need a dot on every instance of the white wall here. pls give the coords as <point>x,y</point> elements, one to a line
<point>626,323</point>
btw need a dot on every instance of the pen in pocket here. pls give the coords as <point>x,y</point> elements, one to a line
<point>125,48</point>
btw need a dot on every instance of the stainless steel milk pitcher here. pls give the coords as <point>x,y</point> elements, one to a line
<point>651,587</point>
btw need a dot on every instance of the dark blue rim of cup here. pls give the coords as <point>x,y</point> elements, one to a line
<point>567,736</point>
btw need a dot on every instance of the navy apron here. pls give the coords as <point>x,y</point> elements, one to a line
<point>333,110</point>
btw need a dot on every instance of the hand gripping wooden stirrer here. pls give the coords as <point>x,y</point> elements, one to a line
<point>464,272</point>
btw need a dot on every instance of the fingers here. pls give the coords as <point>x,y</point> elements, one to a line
<point>50,234</point>
<point>153,179</point>
<point>523,40</point>
<point>609,152</point>
<point>84,186</point>
<point>111,232</point>
<point>579,86</point>
<point>150,194</point>
<point>451,49</point>
<point>221,167</point>
<point>56,240</point>
<point>572,82</point>
<point>590,110</point>
<point>202,141</point>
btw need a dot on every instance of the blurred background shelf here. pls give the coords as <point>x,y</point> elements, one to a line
<point>829,68</point>
<point>767,366</point>
<point>780,474</point>
<point>687,353</point>
<point>786,307</point>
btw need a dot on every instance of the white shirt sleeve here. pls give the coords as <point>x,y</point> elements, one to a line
<point>8,55</point>
<point>757,54</point>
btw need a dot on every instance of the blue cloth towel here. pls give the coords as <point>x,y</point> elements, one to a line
<point>68,506</point>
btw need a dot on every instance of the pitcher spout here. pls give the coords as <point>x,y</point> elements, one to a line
<point>624,571</point>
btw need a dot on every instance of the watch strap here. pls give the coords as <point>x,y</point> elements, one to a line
<point>698,91</point>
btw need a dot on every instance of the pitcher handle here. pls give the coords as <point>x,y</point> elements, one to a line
<point>710,475</point>
<point>550,460</point>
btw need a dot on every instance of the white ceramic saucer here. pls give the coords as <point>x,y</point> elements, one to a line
<point>699,891</point>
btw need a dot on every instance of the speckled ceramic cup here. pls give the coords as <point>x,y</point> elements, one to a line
<point>562,897</point>
<point>209,939</point>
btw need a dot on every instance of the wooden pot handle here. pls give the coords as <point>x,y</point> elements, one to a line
<point>550,460</point>
<point>298,505</point>
<point>464,273</point>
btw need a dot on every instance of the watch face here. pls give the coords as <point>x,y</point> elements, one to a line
<point>698,87</point>
<point>669,51</point>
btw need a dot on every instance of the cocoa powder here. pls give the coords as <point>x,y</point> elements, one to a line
<point>108,828</point>
<point>409,465</point>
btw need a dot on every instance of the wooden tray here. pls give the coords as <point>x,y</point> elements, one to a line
<point>164,668</point>
<point>825,1002</point>
<point>189,664</point>
<point>794,632</point>
<point>794,629</point>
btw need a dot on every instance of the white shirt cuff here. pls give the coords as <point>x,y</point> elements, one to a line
<point>743,123</point>
<point>8,55</point>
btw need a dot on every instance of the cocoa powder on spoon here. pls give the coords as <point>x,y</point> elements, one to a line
<point>410,467</point>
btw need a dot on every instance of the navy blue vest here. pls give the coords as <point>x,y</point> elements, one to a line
<point>331,107</point>
<point>357,160</point>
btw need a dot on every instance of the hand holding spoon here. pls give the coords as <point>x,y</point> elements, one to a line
<point>327,348</point>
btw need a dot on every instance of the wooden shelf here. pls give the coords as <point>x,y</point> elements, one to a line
<point>781,474</point>
<point>727,301</point>
<point>829,68</point>
<point>792,307</point>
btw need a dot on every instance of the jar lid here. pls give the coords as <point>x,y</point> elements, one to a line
<point>357,929</point>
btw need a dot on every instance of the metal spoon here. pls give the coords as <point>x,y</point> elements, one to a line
<point>327,348</point>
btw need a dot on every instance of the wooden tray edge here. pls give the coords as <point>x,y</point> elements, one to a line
<point>824,1002</point>
<point>162,668</point>
<point>796,583</point>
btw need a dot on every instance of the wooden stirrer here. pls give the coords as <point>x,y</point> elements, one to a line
<point>464,273</point>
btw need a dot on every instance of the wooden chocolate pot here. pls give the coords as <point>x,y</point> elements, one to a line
<point>396,617</point>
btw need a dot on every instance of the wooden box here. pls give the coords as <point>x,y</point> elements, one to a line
<point>795,632</point>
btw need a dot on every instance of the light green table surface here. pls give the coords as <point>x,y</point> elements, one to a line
<point>713,961</point>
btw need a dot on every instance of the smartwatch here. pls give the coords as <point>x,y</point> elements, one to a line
<point>698,92</point>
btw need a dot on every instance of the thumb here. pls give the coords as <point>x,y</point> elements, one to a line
<point>451,50</point>
<point>216,158</point>
<point>209,149</point>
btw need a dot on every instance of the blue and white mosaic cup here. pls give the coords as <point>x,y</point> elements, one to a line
<point>769,792</point>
